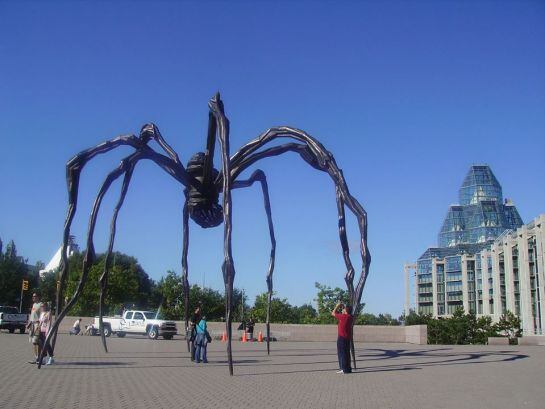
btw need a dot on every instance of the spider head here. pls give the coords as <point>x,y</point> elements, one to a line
<point>195,166</point>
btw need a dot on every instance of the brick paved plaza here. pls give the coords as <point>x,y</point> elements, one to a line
<point>141,373</point>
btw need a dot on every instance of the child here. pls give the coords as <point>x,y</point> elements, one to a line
<point>45,324</point>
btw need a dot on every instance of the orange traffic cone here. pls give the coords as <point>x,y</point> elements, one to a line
<point>260,337</point>
<point>224,337</point>
<point>244,337</point>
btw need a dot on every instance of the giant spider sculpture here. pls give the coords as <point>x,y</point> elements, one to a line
<point>203,185</point>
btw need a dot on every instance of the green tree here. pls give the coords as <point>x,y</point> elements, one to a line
<point>484,329</point>
<point>212,301</point>
<point>509,325</point>
<point>169,295</point>
<point>414,318</point>
<point>326,300</point>
<point>305,314</point>
<point>11,251</point>
<point>13,270</point>
<point>47,287</point>
<point>281,310</point>
<point>371,319</point>
<point>459,329</point>
<point>128,284</point>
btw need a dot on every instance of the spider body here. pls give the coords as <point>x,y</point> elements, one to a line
<point>203,204</point>
<point>202,187</point>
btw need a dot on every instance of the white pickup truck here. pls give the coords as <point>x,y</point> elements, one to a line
<point>137,322</point>
<point>11,320</point>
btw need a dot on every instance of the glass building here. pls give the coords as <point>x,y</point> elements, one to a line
<point>482,214</point>
<point>487,261</point>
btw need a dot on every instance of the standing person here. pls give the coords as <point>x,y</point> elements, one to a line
<point>45,324</point>
<point>201,341</point>
<point>192,330</point>
<point>33,326</point>
<point>250,328</point>
<point>344,328</point>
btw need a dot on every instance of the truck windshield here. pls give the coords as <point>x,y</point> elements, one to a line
<point>9,310</point>
<point>149,315</point>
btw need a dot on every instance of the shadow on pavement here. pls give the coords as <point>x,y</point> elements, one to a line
<point>396,358</point>
<point>91,363</point>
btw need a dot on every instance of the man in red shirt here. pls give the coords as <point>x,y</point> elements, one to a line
<point>344,328</point>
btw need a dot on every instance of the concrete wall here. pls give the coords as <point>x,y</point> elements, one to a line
<point>532,340</point>
<point>414,334</point>
<point>498,341</point>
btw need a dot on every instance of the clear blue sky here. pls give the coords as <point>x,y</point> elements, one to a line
<point>407,95</point>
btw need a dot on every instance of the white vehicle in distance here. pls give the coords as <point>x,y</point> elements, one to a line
<point>138,322</point>
<point>11,320</point>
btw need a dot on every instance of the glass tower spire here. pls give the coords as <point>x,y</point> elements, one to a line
<point>482,215</point>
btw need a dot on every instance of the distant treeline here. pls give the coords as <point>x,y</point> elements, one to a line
<point>130,286</point>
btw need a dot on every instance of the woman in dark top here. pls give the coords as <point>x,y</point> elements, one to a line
<point>195,319</point>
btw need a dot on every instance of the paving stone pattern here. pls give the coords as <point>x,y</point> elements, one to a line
<point>142,373</point>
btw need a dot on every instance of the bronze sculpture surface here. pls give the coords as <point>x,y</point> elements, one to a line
<point>203,185</point>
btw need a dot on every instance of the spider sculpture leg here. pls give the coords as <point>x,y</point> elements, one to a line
<point>318,157</point>
<point>73,172</point>
<point>228,267</point>
<point>107,262</point>
<point>74,167</point>
<point>347,261</point>
<point>126,181</point>
<point>185,281</point>
<point>259,176</point>
<point>90,251</point>
<point>206,184</point>
<point>314,153</point>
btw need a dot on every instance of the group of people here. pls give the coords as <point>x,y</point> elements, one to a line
<point>199,336</point>
<point>89,329</point>
<point>39,322</point>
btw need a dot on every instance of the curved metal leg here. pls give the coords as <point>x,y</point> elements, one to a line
<point>314,153</point>
<point>259,176</point>
<point>103,281</point>
<point>73,172</point>
<point>228,267</point>
<point>349,277</point>
<point>74,168</point>
<point>89,257</point>
<point>185,281</point>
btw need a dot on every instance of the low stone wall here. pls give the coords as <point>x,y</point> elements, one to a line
<point>414,334</point>
<point>532,340</point>
<point>498,341</point>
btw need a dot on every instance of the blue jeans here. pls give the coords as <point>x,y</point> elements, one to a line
<point>343,354</point>
<point>200,348</point>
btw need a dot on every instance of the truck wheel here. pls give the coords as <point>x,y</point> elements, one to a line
<point>121,334</point>
<point>11,330</point>
<point>107,331</point>
<point>153,333</point>
<point>22,330</point>
<point>168,336</point>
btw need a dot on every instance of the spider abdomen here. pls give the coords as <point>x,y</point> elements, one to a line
<point>204,208</point>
